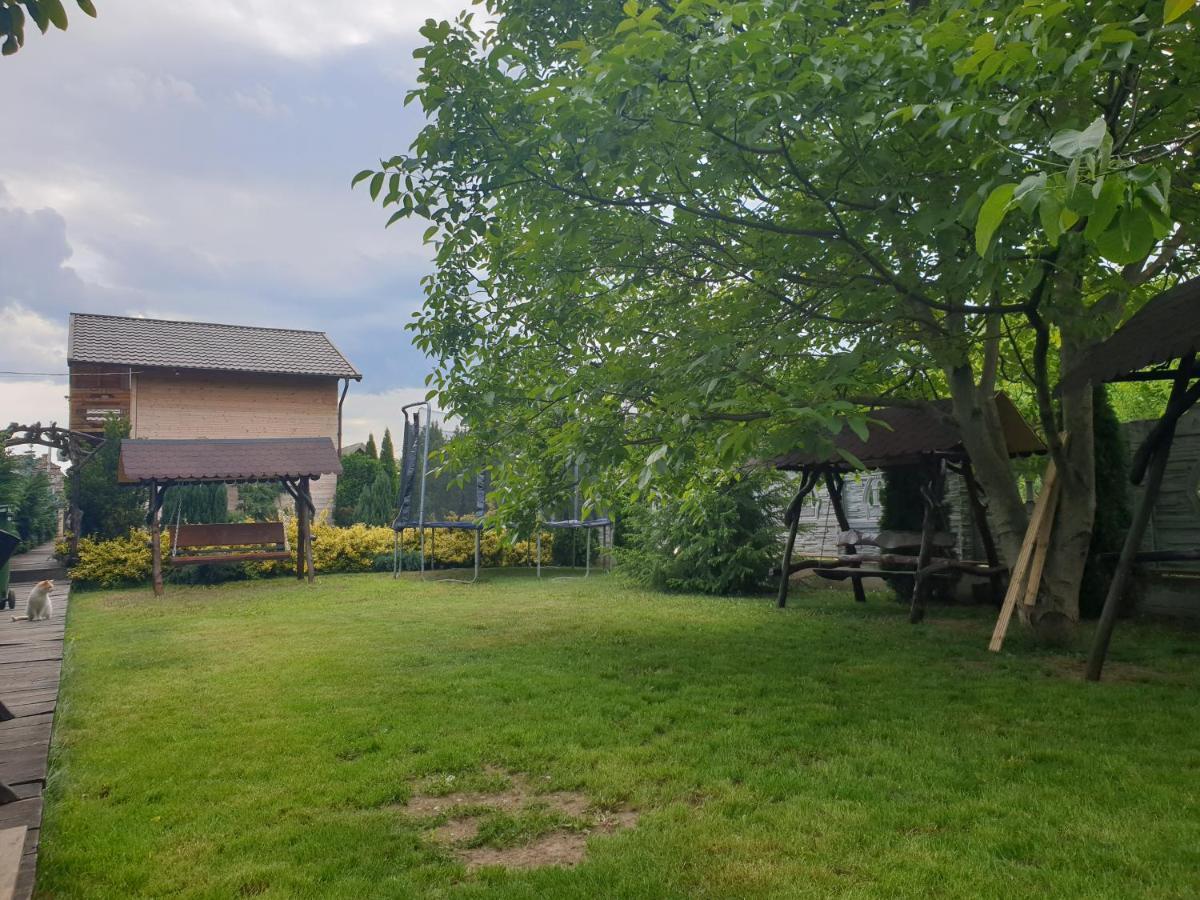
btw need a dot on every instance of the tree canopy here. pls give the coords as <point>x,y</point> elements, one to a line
<point>697,232</point>
<point>44,13</point>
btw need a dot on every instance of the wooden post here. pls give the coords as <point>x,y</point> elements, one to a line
<point>979,511</point>
<point>301,528</point>
<point>1158,447</point>
<point>931,494</point>
<point>1120,580</point>
<point>153,520</point>
<point>835,482</point>
<point>306,493</point>
<point>808,480</point>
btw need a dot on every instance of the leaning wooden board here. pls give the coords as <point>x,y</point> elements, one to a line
<point>12,848</point>
<point>1023,579</point>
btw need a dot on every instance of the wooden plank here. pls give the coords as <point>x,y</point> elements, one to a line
<point>1037,563</point>
<point>227,535</point>
<point>220,559</point>
<point>1042,518</point>
<point>12,848</point>
<point>23,812</point>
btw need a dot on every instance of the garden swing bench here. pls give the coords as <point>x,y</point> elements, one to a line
<point>415,468</point>
<point>292,462</point>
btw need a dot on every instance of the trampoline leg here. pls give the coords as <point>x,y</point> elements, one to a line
<point>587,552</point>
<point>477,543</point>
<point>395,554</point>
<point>539,553</point>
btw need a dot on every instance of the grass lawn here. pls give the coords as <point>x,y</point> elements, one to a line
<point>264,738</point>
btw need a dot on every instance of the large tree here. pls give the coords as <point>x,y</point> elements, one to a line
<point>712,228</point>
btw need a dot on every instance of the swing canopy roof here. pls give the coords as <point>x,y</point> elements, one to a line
<point>232,461</point>
<point>1166,328</point>
<point>904,435</point>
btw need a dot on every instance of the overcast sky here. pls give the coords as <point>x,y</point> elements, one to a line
<point>192,160</point>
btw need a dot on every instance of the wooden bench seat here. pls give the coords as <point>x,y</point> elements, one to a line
<point>270,536</point>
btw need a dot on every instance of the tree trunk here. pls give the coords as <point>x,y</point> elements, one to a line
<point>979,424</point>
<point>1057,612</point>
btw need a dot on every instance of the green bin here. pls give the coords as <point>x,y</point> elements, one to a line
<point>8,546</point>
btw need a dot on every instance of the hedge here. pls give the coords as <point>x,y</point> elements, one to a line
<point>126,560</point>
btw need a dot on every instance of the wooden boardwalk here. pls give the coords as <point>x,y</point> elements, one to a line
<point>37,564</point>
<point>30,664</point>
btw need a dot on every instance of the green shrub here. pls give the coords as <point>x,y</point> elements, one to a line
<point>713,540</point>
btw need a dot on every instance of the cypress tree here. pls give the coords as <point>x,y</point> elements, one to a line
<point>375,505</point>
<point>370,451</point>
<point>387,456</point>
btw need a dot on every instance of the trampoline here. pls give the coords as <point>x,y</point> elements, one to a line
<point>414,470</point>
<point>575,524</point>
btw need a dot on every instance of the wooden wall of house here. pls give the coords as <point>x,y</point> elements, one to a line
<point>1170,588</point>
<point>863,498</point>
<point>182,404</point>
<point>97,391</point>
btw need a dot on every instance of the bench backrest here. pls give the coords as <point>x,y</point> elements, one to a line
<point>233,534</point>
<point>895,540</point>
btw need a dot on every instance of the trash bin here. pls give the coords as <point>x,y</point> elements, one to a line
<point>8,546</point>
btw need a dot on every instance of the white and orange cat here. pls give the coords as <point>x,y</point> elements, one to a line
<point>39,606</point>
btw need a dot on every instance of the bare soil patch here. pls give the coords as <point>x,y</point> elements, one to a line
<point>465,813</point>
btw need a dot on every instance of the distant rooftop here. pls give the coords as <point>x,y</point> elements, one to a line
<point>160,343</point>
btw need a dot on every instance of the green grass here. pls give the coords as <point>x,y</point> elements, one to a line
<point>259,738</point>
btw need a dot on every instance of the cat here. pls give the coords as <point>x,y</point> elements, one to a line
<point>39,606</point>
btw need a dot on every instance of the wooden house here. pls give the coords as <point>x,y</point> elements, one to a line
<point>181,380</point>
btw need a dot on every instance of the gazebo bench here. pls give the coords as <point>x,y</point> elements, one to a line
<point>270,536</point>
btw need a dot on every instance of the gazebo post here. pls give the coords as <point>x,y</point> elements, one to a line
<point>1158,448</point>
<point>155,525</point>
<point>301,531</point>
<point>974,496</point>
<point>808,480</point>
<point>930,494</point>
<point>834,483</point>
<point>309,509</point>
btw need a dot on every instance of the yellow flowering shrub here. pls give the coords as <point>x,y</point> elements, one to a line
<point>126,560</point>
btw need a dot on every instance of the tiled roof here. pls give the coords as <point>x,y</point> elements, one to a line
<point>124,341</point>
<point>898,435</point>
<point>226,460</point>
<point>1166,328</point>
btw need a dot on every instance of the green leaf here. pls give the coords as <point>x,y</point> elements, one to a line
<point>1173,9</point>
<point>1129,240</point>
<point>991,214</point>
<point>429,233</point>
<point>396,217</point>
<point>1070,143</point>
<point>55,13</point>
<point>88,7</point>
<point>376,185</point>
<point>364,174</point>
<point>1029,192</point>
<point>1108,201</point>
<point>1050,212</point>
<point>630,8</point>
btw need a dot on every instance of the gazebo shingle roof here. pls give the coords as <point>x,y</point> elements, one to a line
<point>201,459</point>
<point>1166,328</point>
<point>160,343</point>
<point>899,435</point>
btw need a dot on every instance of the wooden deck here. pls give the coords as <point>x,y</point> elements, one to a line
<point>37,564</point>
<point>30,665</point>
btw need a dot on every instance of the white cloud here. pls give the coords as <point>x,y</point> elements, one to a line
<point>32,343</point>
<point>301,29</point>
<point>261,102</point>
<point>370,413</point>
<point>26,401</point>
<point>135,89</point>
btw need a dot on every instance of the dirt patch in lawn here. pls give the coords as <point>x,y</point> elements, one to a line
<point>558,824</point>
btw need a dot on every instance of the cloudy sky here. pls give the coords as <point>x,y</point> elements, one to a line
<point>193,160</point>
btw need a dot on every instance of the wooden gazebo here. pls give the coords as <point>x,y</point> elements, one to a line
<point>292,462</point>
<point>922,435</point>
<point>1159,343</point>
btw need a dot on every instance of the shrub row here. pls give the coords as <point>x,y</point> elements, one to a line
<point>358,548</point>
